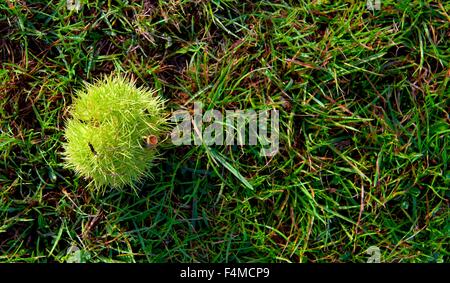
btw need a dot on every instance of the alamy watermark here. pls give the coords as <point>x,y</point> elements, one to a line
<point>76,5</point>
<point>373,5</point>
<point>375,254</point>
<point>234,127</point>
<point>73,5</point>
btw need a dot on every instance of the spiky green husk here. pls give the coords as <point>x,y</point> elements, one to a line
<point>105,134</point>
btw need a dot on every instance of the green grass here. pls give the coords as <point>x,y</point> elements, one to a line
<point>364,103</point>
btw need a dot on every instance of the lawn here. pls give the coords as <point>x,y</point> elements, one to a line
<point>363,99</point>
